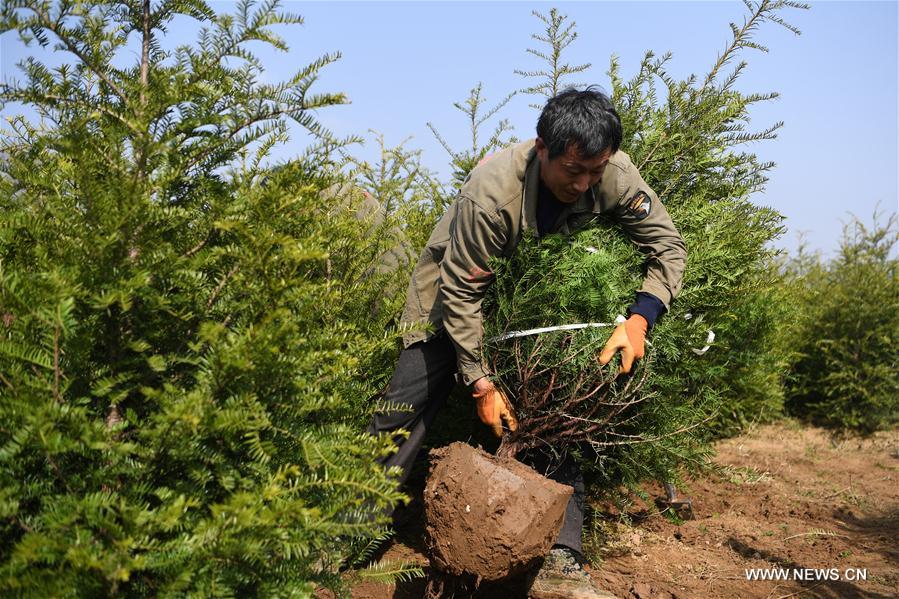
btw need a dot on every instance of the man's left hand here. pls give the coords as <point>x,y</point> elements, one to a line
<point>628,338</point>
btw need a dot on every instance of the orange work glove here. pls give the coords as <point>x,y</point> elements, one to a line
<point>493,407</point>
<point>629,338</point>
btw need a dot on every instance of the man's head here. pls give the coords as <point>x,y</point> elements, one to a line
<point>577,133</point>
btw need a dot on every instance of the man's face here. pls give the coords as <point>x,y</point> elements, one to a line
<point>569,175</point>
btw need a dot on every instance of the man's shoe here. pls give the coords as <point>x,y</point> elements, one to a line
<point>562,576</point>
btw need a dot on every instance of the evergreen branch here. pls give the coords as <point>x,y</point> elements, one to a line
<point>464,161</point>
<point>56,371</point>
<point>34,356</point>
<point>57,28</point>
<point>441,140</point>
<point>392,571</point>
<point>765,10</point>
<point>534,74</point>
<point>33,96</point>
<point>557,38</point>
<point>199,246</point>
<point>221,286</point>
<point>145,53</point>
<point>6,382</point>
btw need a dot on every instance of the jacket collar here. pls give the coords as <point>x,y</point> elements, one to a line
<point>529,192</point>
<point>587,202</point>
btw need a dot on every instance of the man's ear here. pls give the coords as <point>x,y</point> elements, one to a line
<point>542,150</point>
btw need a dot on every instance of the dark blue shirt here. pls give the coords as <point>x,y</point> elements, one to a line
<point>548,210</point>
<point>648,306</point>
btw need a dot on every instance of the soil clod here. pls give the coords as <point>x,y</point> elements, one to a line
<point>489,518</point>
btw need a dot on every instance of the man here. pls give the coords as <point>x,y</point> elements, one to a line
<point>558,182</point>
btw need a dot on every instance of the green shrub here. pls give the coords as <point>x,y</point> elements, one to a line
<point>187,338</point>
<point>688,148</point>
<point>847,372</point>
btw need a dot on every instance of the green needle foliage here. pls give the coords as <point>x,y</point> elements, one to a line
<point>563,398</point>
<point>686,145</point>
<point>557,36</point>
<point>689,149</point>
<point>847,372</point>
<point>464,161</point>
<point>187,337</point>
<point>407,193</point>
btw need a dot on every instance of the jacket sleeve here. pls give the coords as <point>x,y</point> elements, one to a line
<point>646,221</point>
<point>464,278</point>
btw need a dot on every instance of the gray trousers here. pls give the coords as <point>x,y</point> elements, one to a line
<point>422,381</point>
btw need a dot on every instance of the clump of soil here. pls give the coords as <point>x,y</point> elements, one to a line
<point>489,518</point>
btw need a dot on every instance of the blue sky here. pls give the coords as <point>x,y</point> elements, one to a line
<point>405,63</point>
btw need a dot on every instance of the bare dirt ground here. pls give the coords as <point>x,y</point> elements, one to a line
<point>784,498</point>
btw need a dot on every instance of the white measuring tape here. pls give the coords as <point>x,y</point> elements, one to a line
<point>563,327</point>
<point>708,344</point>
<point>708,340</point>
<point>585,325</point>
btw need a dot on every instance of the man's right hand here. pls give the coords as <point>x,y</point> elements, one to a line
<point>494,407</point>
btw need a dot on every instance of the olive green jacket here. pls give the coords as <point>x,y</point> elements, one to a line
<point>494,208</point>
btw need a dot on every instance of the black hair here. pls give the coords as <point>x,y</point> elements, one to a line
<point>585,119</point>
